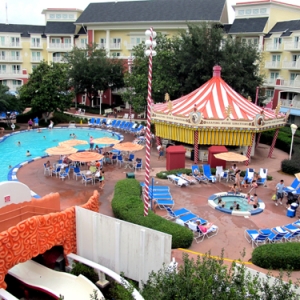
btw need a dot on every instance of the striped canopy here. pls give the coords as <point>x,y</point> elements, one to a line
<point>214,99</point>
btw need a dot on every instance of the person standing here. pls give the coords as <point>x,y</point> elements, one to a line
<point>238,179</point>
<point>279,192</point>
<point>36,122</point>
<point>30,123</point>
<point>91,143</point>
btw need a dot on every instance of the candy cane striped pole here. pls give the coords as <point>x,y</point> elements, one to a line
<point>158,141</point>
<point>273,143</point>
<point>249,150</point>
<point>196,150</point>
<point>258,139</point>
<point>148,130</point>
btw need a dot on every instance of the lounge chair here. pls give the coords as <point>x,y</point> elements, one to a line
<point>177,180</point>
<point>173,214</point>
<point>56,171</point>
<point>163,203</point>
<point>112,124</point>
<point>64,174</point>
<point>199,235</point>
<point>263,173</point>
<point>293,187</point>
<point>292,236</point>
<point>98,122</point>
<point>249,175</point>
<point>255,237</point>
<point>91,122</point>
<point>126,116</point>
<point>189,179</point>
<point>47,170</point>
<point>197,175</point>
<point>76,172</point>
<point>161,196</point>
<point>86,180</point>
<point>207,173</point>
<point>273,236</point>
<point>187,217</point>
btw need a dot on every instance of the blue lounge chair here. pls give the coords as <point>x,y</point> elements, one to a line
<point>64,174</point>
<point>291,236</point>
<point>249,175</point>
<point>197,175</point>
<point>263,173</point>
<point>56,171</point>
<point>255,237</point>
<point>273,235</point>
<point>98,122</point>
<point>161,197</point>
<point>290,227</point>
<point>294,187</point>
<point>91,122</point>
<point>188,217</point>
<point>163,203</point>
<point>86,180</point>
<point>207,173</point>
<point>112,124</point>
<point>173,214</point>
<point>117,124</point>
<point>199,235</point>
<point>76,172</point>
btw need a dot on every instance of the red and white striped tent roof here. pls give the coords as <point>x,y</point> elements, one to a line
<point>212,99</point>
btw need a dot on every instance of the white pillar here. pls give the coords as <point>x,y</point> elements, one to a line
<point>107,42</point>
<point>48,41</point>
<point>72,41</point>
<point>261,43</point>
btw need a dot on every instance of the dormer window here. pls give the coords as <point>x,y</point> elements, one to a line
<point>263,10</point>
<point>255,11</point>
<point>241,12</point>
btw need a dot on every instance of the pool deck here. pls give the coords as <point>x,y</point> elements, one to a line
<point>194,197</point>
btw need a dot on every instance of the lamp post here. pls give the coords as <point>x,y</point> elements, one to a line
<point>150,43</point>
<point>293,129</point>
<point>85,90</point>
<point>100,93</point>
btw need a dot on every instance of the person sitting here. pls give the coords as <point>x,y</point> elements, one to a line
<point>237,207</point>
<point>253,185</point>
<point>234,188</point>
<point>245,183</point>
<point>205,228</point>
<point>233,206</point>
<point>220,202</point>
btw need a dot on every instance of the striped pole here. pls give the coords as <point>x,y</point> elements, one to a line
<point>148,130</point>
<point>158,140</point>
<point>249,150</point>
<point>273,143</point>
<point>196,150</point>
<point>258,139</point>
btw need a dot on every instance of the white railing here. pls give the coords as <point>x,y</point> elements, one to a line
<point>292,46</point>
<point>36,59</point>
<point>10,58</point>
<point>291,64</point>
<point>60,46</point>
<point>36,45</point>
<point>101,46</point>
<point>57,59</point>
<point>270,81</point>
<point>115,46</point>
<point>130,46</point>
<point>274,47</point>
<point>272,64</point>
<point>11,45</point>
<point>10,72</point>
<point>285,102</point>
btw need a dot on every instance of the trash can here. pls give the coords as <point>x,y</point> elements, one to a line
<point>130,175</point>
<point>192,155</point>
<point>291,213</point>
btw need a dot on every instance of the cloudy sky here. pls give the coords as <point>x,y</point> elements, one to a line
<point>29,11</point>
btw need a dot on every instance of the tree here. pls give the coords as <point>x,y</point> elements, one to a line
<point>91,70</point>
<point>9,102</point>
<point>208,278</point>
<point>48,89</point>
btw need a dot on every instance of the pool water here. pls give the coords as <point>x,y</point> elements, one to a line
<point>37,143</point>
<point>229,200</point>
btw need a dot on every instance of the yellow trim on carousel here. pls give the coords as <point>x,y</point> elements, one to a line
<point>206,136</point>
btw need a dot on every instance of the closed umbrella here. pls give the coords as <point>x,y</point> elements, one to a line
<point>128,146</point>
<point>85,156</point>
<point>61,150</point>
<point>231,156</point>
<point>72,143</point>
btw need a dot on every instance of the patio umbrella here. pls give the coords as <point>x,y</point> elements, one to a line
<point>231,156</point>
<point>71,143</point>
<point>106,141</point>
<point>61,150</point>
<point>86,156</point>
<point>128,146</point>
<point>297,176</point>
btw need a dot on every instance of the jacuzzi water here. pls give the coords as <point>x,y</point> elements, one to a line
<point>37,143</point>
<point>229,202</point>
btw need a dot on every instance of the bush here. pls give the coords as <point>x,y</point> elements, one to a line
<point>284,256</point>
<point>59,117</point>
<point>127,206</point>
<point>88,272</point>
<point>164,174</point>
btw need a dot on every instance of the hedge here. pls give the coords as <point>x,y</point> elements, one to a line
<point>128,206</point>
<point>284,256</point>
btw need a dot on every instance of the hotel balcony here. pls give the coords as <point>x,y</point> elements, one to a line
<point>292,46</point>
<point>12,74</point>
<point>58,59</point>
<point>273,65</point>
<point>291,65</point>
<point>130,46</point>
<point>9,58</point>
<point>36,59</point>
<point>59,47</point>
<point>115,46</point>
<point>11,45</point>
<point>36,46</point>
<point>290,103</point>
<point>274,47</point>
<point>270,82</point>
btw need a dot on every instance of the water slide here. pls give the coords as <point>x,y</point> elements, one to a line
<point>53,282</point>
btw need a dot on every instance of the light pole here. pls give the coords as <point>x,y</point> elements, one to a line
<point>150,52</point>
<point>100,93</point>
<point>293,129</point>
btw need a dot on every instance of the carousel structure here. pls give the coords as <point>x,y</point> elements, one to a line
<point>215,114</point>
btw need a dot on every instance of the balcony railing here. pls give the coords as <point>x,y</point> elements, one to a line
<point>292,46</point>
<point>101,46</point>
<point>274,47</point>
<point>272,64</point>
<point>36,45</point>
<point>270,81</point>
<point>292,65</point>
<point>285,102</point>
<point>9,58</point>
<point>10,72</point>
<point>115,46</point>
<point>58,59</point>
<point>60,46</point>
<point>11,45</point>
<point>36,59</point>
<point>130,46</point>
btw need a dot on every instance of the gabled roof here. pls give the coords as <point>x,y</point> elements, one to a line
<point>24,30</point>
<point>60,28</point>
<point>82,30</point>
<point>153,10</point>
<point>286,27</point>
<point>248,25</point>
<point>227,27</point>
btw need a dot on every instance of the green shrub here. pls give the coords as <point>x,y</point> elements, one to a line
<point>128,206</point>
<point>284,256</point>
<point>59,118</point>
<point>164,174</point>
<point>88,272</point>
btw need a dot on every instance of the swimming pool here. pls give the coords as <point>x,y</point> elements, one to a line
<point>37,143</point>
<point>229,198</point>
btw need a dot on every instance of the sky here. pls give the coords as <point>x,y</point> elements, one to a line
<point>30,11</point>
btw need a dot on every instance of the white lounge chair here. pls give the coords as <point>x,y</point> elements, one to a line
<point>126,116</point>
<point>177,180</point>
<point>199,235</point>
<point>263,173</point>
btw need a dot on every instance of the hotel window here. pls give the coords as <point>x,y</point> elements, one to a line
<point>2,55</point>
<point>36,56</point>
<point>71,16</point>
<point>102,43</point>
<point>83,42</point>
<point>67,41</point>
<point>58,16</point>
<point>137,40</point>
<point>15,41</point>
<point>36,42</point>
<point>241,12</point>
<point>2,40</point>
<point>274,75</point>
<point>263,10</point>
<point>256,11</point>
<point>2,69</point>
<point>4,82</point>
<point>52,16</point>
<point>15,55</point>
<point>16,69</point>
<point>270,93</point>
<point>248,11</point>
<point>16,82</point>
<point>65,16</point>
<point>293,76</point>
<point>55,41</point>
<point>115,54</point>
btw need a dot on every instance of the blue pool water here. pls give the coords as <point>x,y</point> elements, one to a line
<point>37,143</point>
<point>229,200</point>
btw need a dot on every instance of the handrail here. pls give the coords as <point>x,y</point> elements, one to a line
<point>136,295</point>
